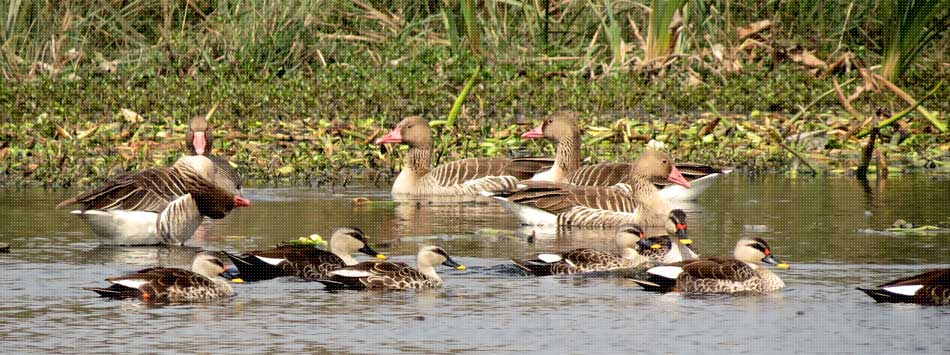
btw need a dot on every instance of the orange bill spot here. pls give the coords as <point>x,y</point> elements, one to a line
<point>768,252</point>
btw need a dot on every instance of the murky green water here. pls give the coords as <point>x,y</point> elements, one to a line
<point>816,224</point>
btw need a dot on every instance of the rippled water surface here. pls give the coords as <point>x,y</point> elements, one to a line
<point>818,225</point>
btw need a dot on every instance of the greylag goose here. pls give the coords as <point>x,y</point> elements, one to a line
<point>306,262</point>
<point>393,276</point>
<point>590,260</point>
<point>929,288</point>
<point>159,205</point>
<point>463,177</point>
<point>561,128</point>
<point>163,284</point>
<point>546,203</point>
<point>673,247</point>
<point>742,273</point>
<point>199,139</point>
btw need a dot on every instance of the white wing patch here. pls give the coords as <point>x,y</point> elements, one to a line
<point>670,272</point>
<point>350,273</point>
<point>131,283</point>
<point>909,290</point>
<point>549,258</point>
<point>272,261</point>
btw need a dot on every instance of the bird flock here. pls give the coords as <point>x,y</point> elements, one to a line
<point>166,206</point>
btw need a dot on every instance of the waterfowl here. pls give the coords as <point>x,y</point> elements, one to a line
<point>163,284</point>
<point>199,139</point>
<point>929,288</point>
<point>545,203</point>
<point>673,247</point>
<point>463,177</point>
<point>393,276</point>
<point>306,262</point>
<point>561,128</point>
<point>742,273</point>
<point>590,260</point>
<point>159,205</point>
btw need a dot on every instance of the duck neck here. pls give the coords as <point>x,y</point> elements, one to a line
<point>567,158</point>
<point>348,259</point>
<point>676,248</point>
<point>632,255</point>
<point>429,272</point>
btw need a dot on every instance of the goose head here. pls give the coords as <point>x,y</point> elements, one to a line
<point>220,195</point>
<point>430,256</point>
<point>198,136</point>
<point>208,265</point>
<point>657,165</point>
<point>413,131</point>
<point>348,240</point>
<point>755,251</point>
<point>558,125</point>
<point>676,225</point>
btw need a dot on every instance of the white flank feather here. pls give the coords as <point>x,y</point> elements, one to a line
<point>272,261</point>
<point>350,273</point>
<point>670,272</point>
<point>907,290</point>
<point>131,283</point>
<point>549,258</point>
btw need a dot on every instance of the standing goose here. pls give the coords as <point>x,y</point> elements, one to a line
<point>929,288</point>
<point>545,203</point>
<point>463,177</point>
<point>306,262</point>
<point>393,276</point>
<point>199,141</point>
<point>159,205</point>
<point>163,284</point>
<point>590,260</point>
<point>561,128</point>
<point>673,247</point>
<point>743,273</point>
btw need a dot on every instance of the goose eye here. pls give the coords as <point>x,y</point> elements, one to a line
<point>666,161</point>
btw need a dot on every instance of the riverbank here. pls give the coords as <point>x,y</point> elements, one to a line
<point>319,128</point>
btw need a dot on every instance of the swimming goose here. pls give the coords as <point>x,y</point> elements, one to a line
<point>590,260</point>
<point>199,141</point>
<point>463,177</point>
<point>545,203</point>
<point>382,275</point>
<point>673,247</point>
<point>163,284</point>
<point>743,273</point>
<point>929,288</point>
<point>306,262</point>
<point>561,128</point>
<point>159,205</point>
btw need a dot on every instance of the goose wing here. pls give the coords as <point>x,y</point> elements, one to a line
<point>559,198</point>
<point>147,190</point>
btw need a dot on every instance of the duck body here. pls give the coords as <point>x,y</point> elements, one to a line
<point>163,284</point>
<point>157,206</point>
<point>379,275</point>
<point>305,262</point>
<point>928,288</point>
<point>590,260</point>
<point>742,273</point>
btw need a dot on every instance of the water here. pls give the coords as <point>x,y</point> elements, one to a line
<point>815,224</point>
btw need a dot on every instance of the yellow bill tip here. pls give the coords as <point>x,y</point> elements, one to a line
<point>656,246</point>
<point>783,266</point>
<point>686,241</point>
<point>461,267</point>
<point>237,280</point>
<point>381,257</point>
